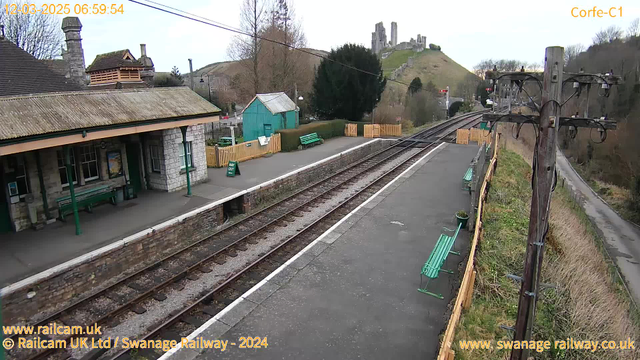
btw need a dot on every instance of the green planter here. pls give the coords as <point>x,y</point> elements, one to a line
<point>462,220</point>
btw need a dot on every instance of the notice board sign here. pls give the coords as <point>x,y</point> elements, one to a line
<point>233,169</point>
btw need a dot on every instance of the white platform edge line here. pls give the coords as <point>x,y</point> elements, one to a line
<point>275,272</point>
<point>9,289</point>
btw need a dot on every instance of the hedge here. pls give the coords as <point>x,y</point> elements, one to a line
<point>290,138</point>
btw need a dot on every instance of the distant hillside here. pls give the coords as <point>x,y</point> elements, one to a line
<point>428,65</point>
<point>231,68</point>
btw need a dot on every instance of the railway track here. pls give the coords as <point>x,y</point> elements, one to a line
<point>151,282</point>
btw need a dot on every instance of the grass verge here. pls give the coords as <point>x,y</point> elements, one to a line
<point>588,301</point>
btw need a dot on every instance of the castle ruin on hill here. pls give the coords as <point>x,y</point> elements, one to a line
<point>379,40</point>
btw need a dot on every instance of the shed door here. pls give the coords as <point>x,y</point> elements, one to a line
<point>268,130</point>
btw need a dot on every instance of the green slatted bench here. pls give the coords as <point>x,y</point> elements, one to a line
<point>86,199</point>
<point>437,258</point>
<point>466,179</point>
<point>310,139</point>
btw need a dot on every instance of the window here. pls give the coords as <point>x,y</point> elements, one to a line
<point>21,187</point>
<point>63,170</point>
<point>89,162</point>
<point>155,152</point>
<point>189,155</point>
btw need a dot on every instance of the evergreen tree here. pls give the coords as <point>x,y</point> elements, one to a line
<point>343,92</point>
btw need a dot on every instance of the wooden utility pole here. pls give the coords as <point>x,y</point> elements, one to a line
<point>543,178</point>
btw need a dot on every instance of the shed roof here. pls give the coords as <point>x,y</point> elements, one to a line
<point>113,60</point>
<point>275,102</point>
<point>31,115</point>
<point>21,73</point>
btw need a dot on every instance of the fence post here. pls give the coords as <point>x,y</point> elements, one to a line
<point>217,156</point>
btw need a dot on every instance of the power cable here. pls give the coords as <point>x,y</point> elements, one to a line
<point>216,24</point>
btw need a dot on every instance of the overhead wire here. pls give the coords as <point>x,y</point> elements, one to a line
<point>206,21</point>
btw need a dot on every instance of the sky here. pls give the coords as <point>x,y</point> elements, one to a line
<point>467,31</point>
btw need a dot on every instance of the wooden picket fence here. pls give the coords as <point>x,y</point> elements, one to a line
<point>462,136</point>
<point>390,130</point>
<point>377,130</point>
<point>479,136</point>
<point>465,293</point>
<point>351,130</point>
<point>220,156</point>
<point>372,131</point>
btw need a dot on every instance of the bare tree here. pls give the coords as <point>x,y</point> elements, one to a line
<point>571,52</point>
<point>38,34</point>
<point>608,35</point>
<point>284,64</point>
<point>634,28</point>
<point>245,49</point>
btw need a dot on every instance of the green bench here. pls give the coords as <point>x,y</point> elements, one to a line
<point>86,199</point>
<point>437,258</point>
<point>466,179</point>
<point>310,139</point>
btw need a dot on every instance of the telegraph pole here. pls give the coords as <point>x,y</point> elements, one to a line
<point>543,178</point>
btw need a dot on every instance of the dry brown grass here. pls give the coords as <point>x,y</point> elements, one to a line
<point>597,309</point>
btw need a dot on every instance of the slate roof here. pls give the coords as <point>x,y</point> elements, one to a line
<point>275,102</point>
<point>113,60</point>
<point>21,73</point>
<point>59,66</point>
<point>31,115</point>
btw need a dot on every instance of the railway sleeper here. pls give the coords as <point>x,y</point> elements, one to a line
<point>159,296</point>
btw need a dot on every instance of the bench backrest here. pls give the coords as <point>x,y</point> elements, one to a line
<point>309,136</point>
<point>83,193</point>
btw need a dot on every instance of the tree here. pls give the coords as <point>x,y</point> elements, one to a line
<point>571,52</point>
<point>608,35</point>
<point>343,92</point>
<point>422,108</point>
<point>431,88</point>
<point>173,79</point>
<point>38,34</point>
<point>415,86</point>
<point>281,66</point>
<point>247,51</point>
<point>634,28</point>
<point>466,88</point>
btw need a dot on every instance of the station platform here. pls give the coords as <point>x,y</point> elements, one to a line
<point>353,292</point>
<point>29,252</point>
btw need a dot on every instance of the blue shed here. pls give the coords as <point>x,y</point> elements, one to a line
<point>267,113</point>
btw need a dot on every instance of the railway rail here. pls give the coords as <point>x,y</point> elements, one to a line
<point>104,306</point>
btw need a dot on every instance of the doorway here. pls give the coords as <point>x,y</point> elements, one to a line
<point>5,217</point>
<point>133,161</point>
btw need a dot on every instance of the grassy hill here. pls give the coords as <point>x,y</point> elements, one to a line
<point>428,65</point>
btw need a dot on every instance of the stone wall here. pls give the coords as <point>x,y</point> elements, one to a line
<point>94,271</point>
<point>296,181</point>
<point>176,178</point>
<point>63,288</point>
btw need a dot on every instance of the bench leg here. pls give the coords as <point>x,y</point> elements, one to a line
<point>89,209</point>
<point>454,252</point>
<point>425,291</point>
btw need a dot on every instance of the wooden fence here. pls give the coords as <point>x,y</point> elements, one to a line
<point>480,136</point>
<point>462,136</point>
<point>465,293</point>
<point>377,130</point>
<point>351,130</point>
<point>220,156</point>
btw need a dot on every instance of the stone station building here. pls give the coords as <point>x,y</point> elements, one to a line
<point>121,141</point>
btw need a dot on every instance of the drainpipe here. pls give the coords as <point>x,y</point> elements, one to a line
<point>74,204</point>
<point>43,190</point>
<point>186,158</point>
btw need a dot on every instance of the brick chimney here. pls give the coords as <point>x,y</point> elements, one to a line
<point>74,55</point>
<point>149,70</point>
